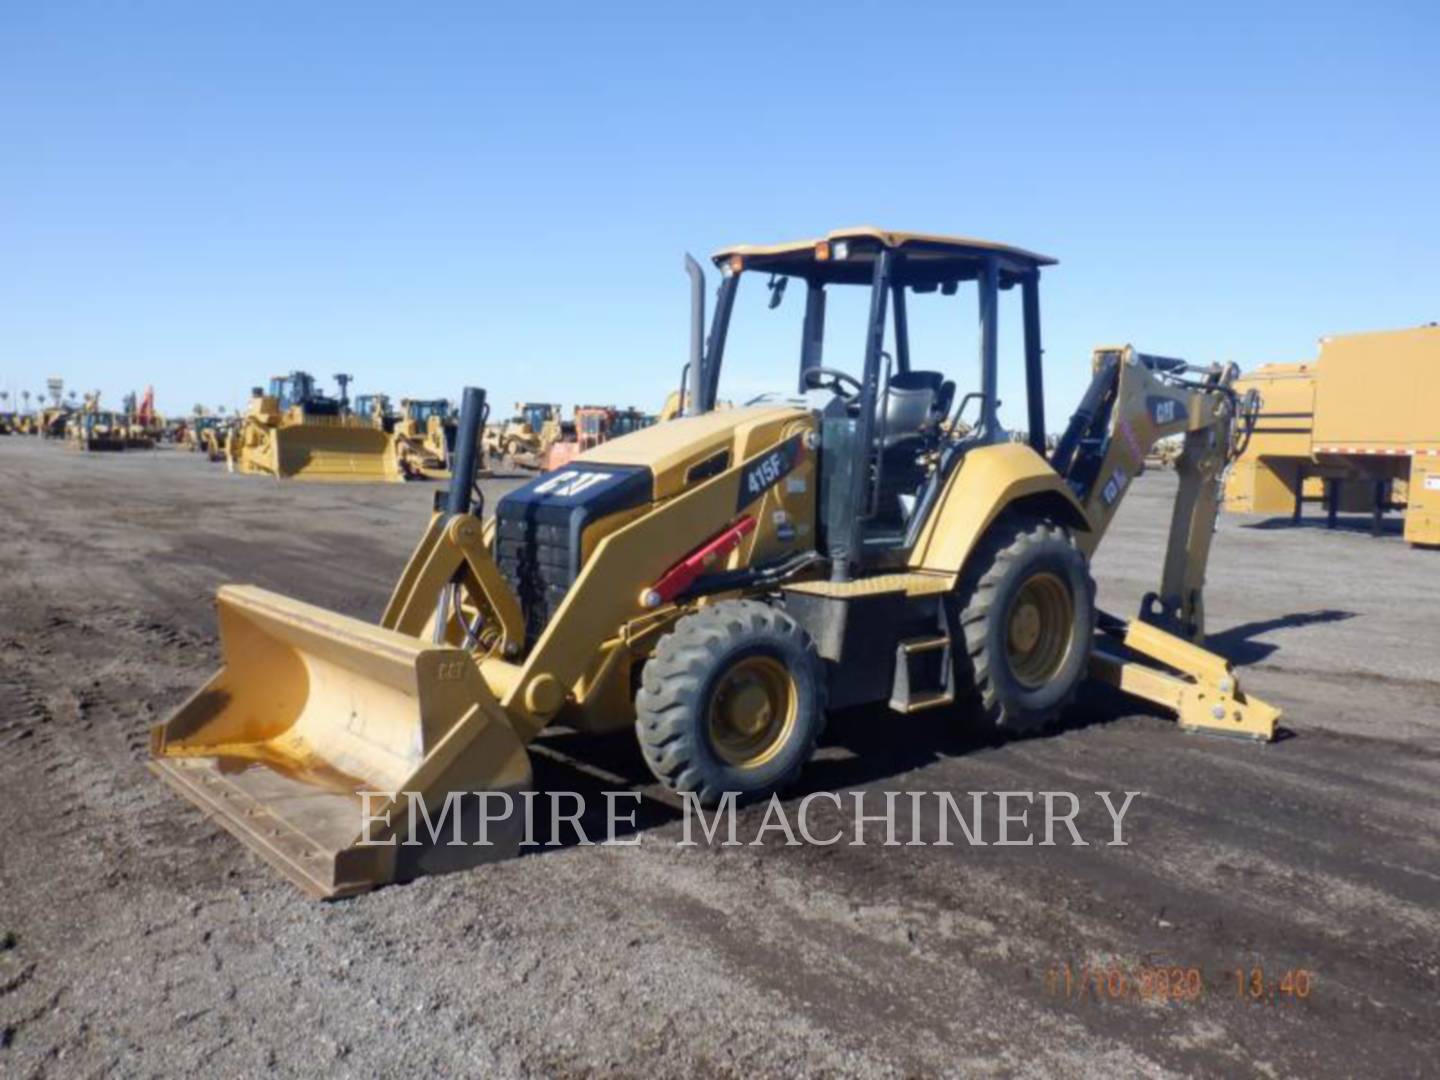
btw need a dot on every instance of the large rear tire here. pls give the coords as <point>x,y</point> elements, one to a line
<point>1026,606</point>
<point>732,700</point>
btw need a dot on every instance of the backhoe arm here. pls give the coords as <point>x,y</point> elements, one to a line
<point>1134,401</point>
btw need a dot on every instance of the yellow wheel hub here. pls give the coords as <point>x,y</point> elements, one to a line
<point>752,711</point>
<point>1038,630</point>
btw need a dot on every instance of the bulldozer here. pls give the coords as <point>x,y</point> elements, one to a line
<point>206,434</point>
<point>374,409</point>
<point>526,439</point>
<point>292,431</point>
<point>721,582</point>
<point>425,438</point>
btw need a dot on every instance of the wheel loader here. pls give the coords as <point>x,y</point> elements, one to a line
<point>720,582</point>
<point>292,431</point>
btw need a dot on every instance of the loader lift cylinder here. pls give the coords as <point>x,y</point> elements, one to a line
<point>467,438</point>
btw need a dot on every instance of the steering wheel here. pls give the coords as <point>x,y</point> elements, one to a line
<point>832,379</point>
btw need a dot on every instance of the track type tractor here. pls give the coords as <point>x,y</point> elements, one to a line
<point>425,437</point>
<point>292,431</point>
<point>206,435</point>
<point>374,410</point>
<point>718,583</point>
<point>526,439</point>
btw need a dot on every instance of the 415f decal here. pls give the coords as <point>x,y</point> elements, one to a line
<point>762,473</point>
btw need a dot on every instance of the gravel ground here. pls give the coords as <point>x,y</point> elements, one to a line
<point>137,937</point>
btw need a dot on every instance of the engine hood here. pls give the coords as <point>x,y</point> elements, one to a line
<point>672,449</point>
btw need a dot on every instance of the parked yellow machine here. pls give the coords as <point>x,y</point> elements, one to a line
<point>1358,429</point>
<point>719,582</point>
<point>526,438</point>
<point>94,430</point>
<point>374,410</point>
<point>206,434</point>
<point>425,437</point>
<point>295,432</point>
<point>53,423</point>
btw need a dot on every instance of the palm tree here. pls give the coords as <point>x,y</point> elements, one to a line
<point>26,395</point>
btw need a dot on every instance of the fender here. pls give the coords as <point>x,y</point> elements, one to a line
<point>988,481</point>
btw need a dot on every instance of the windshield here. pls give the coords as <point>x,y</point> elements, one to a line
<point>763,341</point>
<point>775,326</point>
<point>535,415</point>
<point>294,389</point>
<point>625,423</point>
<point>424,410</point>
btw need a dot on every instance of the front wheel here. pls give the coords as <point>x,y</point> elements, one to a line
<point>1026,607</point>
<point>732,700</point>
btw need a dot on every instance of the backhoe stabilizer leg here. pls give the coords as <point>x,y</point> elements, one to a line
<point>1199,687</point>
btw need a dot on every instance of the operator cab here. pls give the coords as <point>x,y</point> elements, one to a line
<point>891,427</point>
<point>298,389</point>
<point>421,411</point>
<point>535,415</point>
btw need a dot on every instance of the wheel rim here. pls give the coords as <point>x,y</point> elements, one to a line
<point>1038,630</point>
<point>752,711</point>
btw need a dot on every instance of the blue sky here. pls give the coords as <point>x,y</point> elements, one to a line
<point>200,195</point>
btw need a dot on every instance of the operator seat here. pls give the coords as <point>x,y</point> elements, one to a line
<point>917,401</point>
<point>916,405</point>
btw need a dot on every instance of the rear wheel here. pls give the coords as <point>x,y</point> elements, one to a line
<point>1026,607</point>
<point>733,700</point>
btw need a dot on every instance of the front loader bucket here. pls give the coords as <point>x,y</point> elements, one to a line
<point>336,453</point>
<point>312,709</point>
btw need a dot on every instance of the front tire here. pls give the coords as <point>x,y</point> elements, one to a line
<point>1026,608</point>
<point>732,700</point>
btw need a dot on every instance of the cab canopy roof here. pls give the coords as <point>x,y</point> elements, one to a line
<point>847,256</point>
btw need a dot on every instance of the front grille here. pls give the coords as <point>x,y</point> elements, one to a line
<point>539,529</point>
<point>535,559</point>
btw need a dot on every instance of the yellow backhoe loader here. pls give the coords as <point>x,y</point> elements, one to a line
<point>295,432</point>
<point>719,582</point>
